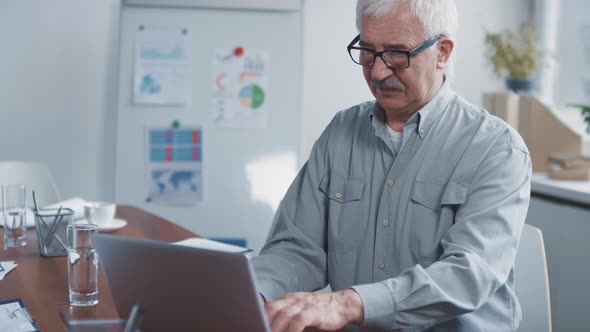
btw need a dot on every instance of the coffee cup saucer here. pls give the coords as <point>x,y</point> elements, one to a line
<point>113,225</point>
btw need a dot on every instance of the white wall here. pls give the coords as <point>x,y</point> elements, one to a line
<point>546,14</point>
<point>56,90</point>
<point>573,52</point>
<point>331,82</point>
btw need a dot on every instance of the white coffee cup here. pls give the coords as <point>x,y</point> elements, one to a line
<point>100,213</point>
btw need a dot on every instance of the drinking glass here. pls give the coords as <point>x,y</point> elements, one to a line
<point>82,265</point>
<point>15,215</point>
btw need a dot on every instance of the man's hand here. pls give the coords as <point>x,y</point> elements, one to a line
<point>324,311</point>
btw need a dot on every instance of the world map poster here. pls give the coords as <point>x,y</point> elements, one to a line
<point>174,165</point>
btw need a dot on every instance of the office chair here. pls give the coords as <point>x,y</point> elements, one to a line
<point>532,282</point>
<point>34,176</point>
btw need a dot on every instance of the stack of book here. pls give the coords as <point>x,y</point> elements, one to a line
<point>569,167</point>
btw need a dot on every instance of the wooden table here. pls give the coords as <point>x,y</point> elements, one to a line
<point>42,282</point>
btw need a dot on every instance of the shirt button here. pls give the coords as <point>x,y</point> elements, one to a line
<point>390,182</point>
<point>422,131</point>
<point>385,222</point>
<point>381,265</point>
<point>338,195</point>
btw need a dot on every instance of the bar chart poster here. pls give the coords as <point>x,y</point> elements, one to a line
<point>174,165</point>
<point>162,66</point>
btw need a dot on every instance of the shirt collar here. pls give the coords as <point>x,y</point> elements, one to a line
<point>425,117</point>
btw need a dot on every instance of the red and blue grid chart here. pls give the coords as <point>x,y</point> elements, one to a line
<point>174,165</point>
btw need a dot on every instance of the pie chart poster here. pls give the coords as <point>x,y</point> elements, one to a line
<point>240,88</point>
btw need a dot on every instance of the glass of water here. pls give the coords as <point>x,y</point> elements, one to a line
<point>82,265</point>
<point>15,215</point>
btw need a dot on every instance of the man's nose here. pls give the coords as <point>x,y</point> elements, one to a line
<point>380,71</point>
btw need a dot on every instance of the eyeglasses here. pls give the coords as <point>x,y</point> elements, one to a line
<point>394,59</point>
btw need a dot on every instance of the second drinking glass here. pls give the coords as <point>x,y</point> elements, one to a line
<point>82,265</point>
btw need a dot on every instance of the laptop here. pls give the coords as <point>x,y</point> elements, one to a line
<point>181,288</point>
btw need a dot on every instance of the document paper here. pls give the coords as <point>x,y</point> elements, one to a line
<point>202,243</point>
<point>14,317</point>
<point>162,66</point>
<point>240,88</point>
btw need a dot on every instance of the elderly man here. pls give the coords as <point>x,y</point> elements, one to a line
<point>411,206</point>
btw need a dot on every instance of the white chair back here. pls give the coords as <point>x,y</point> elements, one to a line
<point>532,282</point>
<point>34,176</point>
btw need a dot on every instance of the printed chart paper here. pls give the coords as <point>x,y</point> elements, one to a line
<point>239,88</point>
<point>162,67</point>
<point>174,165</point>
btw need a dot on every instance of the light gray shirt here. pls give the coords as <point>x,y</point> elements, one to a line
<point>427,238</point>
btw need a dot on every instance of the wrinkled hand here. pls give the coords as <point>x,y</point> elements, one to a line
<point>325,311</point>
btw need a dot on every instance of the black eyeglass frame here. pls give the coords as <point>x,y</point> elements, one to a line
<point>426,44</point>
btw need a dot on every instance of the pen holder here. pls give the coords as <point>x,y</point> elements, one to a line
<point>51,225</point>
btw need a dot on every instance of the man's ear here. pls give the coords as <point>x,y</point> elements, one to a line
<point>445,48</point>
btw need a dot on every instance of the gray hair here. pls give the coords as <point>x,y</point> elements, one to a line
<point>436,16</point>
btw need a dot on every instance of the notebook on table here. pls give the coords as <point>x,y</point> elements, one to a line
<point>181,288</point>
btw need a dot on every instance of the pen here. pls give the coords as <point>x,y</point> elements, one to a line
<point>133,318</point>
<point>56,221</point>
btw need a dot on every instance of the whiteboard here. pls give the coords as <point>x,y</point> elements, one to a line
<point>244,4</point>
<point>245,171</point>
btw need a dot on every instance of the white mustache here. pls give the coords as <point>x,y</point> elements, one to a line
<point>388,84</point>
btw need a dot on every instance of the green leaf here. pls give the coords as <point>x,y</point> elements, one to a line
<point>583,108</point>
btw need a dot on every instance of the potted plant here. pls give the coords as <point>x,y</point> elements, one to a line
<point>585,109</point>
<point>515,54</point>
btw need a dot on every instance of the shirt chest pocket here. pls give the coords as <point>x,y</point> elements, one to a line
<point>347,220</point>
<point>432,212</point>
